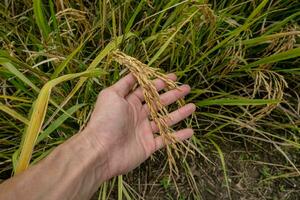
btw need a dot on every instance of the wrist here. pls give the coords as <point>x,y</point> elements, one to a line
<point>96,153</point>
<point>84,158</point>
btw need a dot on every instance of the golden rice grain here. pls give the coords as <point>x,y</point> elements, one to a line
<point>158,112</point>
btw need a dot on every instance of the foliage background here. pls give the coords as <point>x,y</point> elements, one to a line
<point>241,59</point>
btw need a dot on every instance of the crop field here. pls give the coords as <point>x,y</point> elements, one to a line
<point>241,59</point>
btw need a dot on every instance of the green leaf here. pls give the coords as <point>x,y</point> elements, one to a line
<point>249,21</point>
<point>293,53</point>
<point>236,102</point>
<point>60,120</point>
<point>280,24</point>
<point>40,18</point>
<point>165,45</point>
<point>13,113</point>
<point>10,67</point>
<point>223,166</point>
<point>136,12</point>
<point>268,38</point>
<point>62,66</point>
<point>38,115</point>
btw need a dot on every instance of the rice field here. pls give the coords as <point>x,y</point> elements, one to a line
<point>241,59</point>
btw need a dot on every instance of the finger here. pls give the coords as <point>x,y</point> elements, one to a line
<point>158,83</point>
<point>180,135</point>
<point>124,85</point>
<point>171,96</point>
<point>176,116</point>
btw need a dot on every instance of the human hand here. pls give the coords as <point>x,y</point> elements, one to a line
<point>120,127</point>
<point>118,137</point>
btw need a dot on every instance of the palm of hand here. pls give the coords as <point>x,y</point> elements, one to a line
<point>121,125</point>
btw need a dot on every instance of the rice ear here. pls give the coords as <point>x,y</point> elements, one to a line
<point>159,114</point>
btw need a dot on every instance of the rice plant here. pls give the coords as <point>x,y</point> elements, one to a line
<point>241,59</point>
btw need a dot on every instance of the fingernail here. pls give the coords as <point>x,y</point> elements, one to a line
<point>192,107</point>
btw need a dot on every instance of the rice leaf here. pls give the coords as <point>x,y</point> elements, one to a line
<point>62,66</point>
<point>103,191</point>
<point>278,25</point>
<point>10,67</point>
<point>15,98</point>
<point>54,22</point>
<point>256,11</point>
<point>14,114</point>
<point>109,48</point>
<point>136,12</point>
<point>236,102</point>
<point>221,155</point>
<point>293,53</point>
<point>14,158</point>
<point>249,21</point>
<point>166,44</point>
<point>54,125</point>
<point>38,116</point>
<point>268,38</point>
<point>159,18</point>
<point>126,194</point>
<point>39,13</point>
<point>6,57</point>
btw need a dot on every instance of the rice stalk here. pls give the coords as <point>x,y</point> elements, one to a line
<point>238,56</point>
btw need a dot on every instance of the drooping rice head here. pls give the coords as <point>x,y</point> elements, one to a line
<point>158,112</point>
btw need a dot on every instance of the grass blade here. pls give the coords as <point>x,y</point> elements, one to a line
<point>293,53</point>
<point>10,67</point>
<point>40,18</point>
<point>237,31</point>
<point>165,45</point>
<point>236,102</point>
<point>62,66</point>
<point>38,116</point>
<point>14,114</point>
<point>15,98</point>
<point>223,166</point>
<point>109,48</point>
<point>268,38</point>
<point>136,12</point>
<point>54,125</point>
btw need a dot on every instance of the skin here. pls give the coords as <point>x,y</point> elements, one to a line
<point>117,139</point>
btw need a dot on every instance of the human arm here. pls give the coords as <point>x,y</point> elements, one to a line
<point>118,137</point>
